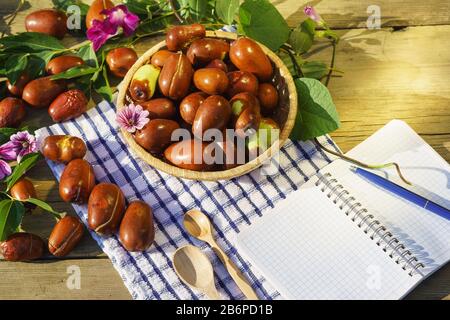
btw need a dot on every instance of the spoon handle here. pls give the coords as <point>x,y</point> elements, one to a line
<point>235,273</point>
<point>212,293</point>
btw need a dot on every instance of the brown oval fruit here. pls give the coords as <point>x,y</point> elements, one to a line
<point>39,93</point>
<point>176,76</point>
<point>160,58</point>
<point>189,106</point>
<point>160,108</point>
<point>68,105</point>
<point>246,112</point>
<point>48,21</point>
<point>17,88</point>
<point>65,236</point>
<point>203,51</point>
<point>188,154</point>
<point>211,80</point>
<point>156,135</point>
<point>120,60</point>
<point>22,246</point>
<point>177,37</point>
<point>12,112</point>
<point>268,98</point>
<point>143,83</point>
<point>105,208</point>
<point>219,64</point>
<point>23,189</point>
<point>248,120</point>
<point>63,148</point>
<point>63,63</point>
<point>242,81</point>
<point>77,181</point>
<point>213,113</point>
<point>137,231</point>
<point>94,12</point>
<point>248,56</point>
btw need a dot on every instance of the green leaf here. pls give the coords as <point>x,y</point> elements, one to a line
<point>141,7</point>
<point>317,114</point>
<point>314,69</point>
<point>260,20</point>
<point>227,9</point>
<point>11,214</point>
<point>101,85</point>
<point>75,72</point>
<point>198,9</point>
<point>19,170</point>
<point>32,41</point>
<point>5,133</point>
<point>15,65</point>
<point>301,38</point>
<point>327,33</point>
<point>44,205</point>
<point>64,4</point>
<point>87,53</point>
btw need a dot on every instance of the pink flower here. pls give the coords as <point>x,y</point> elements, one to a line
<point>7,152</point>
<point>117,17</point>
<point>313,14</point>
<point>22,143</point>
<point>132,118</point>
<point>5,169</point>
<point>100,32</point>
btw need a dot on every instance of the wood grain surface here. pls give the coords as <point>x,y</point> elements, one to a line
<point>400,71</point>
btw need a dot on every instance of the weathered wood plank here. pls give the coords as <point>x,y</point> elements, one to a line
<point>99,280</point>
<point>48,280</point>
<point>338,13</point>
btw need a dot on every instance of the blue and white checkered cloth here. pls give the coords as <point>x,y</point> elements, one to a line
<point>231,205</point>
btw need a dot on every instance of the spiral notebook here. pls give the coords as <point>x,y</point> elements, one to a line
<point>342,237</point>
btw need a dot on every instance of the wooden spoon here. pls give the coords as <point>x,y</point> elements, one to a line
<point>194,268</point>
<point>199,226</point>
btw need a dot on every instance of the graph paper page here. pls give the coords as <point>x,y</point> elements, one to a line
<point>309,249</point>
<point>425,233</point>
<point>306,251</point>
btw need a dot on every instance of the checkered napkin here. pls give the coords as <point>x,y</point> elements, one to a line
<point>231,205</point>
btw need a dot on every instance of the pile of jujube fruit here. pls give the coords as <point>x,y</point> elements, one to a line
<point>200,83</point>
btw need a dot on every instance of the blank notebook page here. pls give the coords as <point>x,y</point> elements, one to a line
<point>426,234</point>
<point>309,249</point>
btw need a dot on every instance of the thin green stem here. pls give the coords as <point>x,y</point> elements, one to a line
<point>362,164</point>
<point>333,59</point>
<point>297,68</point>
<point>145,35</point>
<point>175,12</point>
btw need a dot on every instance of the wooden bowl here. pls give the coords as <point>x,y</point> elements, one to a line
<point>285,117</point>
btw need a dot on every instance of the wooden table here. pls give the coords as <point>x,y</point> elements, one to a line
<point>401,70</point>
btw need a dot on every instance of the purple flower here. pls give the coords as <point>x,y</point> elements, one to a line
<point>22,143</point>
<point>100,32</point>
<point>132,118</point>
<point>7,152</point>
<point>117,17</point>
<point>313,14</point>
<point>5,169</point>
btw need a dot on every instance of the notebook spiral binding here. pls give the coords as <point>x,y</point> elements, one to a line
<point>366,221</point>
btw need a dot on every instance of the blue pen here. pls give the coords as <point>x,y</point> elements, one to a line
<point>403,193</point>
